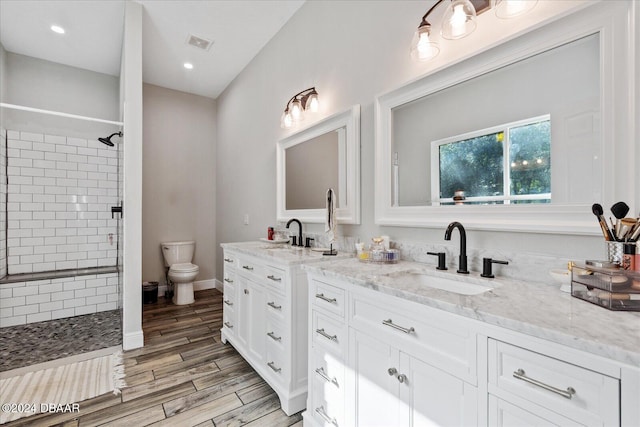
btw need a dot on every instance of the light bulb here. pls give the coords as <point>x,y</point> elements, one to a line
<point>296,110</point>
<point>422,47</point>
<point>525,162</point>
<point>312,103</point>
<point>459,20</point>
<point>512,8</point>
<point>57,29</point>
<point>286,121</point>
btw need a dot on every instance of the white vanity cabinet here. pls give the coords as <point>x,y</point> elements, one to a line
<point>264,312</point>
<point>377,359</point>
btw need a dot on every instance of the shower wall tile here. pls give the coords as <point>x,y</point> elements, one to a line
<point>60,190</point>
<point>3,203</point>
<point>35,301</point>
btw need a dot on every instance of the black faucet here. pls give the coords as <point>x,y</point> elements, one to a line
<point>299,243</point>
<point>462,264</point>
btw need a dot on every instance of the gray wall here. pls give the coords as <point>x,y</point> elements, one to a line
<point>351,51</point>
<point>179,178</point>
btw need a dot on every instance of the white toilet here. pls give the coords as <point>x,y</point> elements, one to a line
<point>178,256</point>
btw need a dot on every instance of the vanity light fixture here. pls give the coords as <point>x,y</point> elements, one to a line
<point>57,29</point>
<point>460,20</point>
<point>301,102</point>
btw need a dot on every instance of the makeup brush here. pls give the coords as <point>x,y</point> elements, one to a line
<point>598,212</point>
<point>619,210</point>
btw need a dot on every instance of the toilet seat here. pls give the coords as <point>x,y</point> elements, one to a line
<point>185,267</point>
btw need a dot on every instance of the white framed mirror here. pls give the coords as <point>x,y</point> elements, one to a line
<point>526,135</point>
<point>321,156</point>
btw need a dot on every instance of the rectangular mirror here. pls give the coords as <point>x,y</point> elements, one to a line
<point>522,137</point>
<point>322,156</point>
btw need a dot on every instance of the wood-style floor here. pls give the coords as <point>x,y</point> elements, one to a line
<point>183,376</point>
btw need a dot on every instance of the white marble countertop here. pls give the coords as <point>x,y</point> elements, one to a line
<point>282,252</point>
<point>535,309</point>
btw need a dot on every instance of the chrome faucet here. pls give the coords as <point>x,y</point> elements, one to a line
<point>299,243</point>
<point>462,263</point>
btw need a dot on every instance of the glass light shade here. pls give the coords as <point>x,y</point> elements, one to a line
<point>459,20</point>
<point>511,8</point>
<point>296,110</point>
<point>423,47</point>
<point>312,103</point>
<point>286,121</point>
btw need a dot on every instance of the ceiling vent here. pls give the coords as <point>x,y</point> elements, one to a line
<point>199,42</point>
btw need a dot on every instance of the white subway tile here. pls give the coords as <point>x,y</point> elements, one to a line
<point>44,215</point>
<point>32,189</point>
<point>13,134</point>
<point>51,189</point>
<point>44,164</point>
<point>75,240</point>
<point>24,291</point>
<point>89,292</point>
<point>88,167</point>
<point>54,223</point>
<point>24,171</point>
<point>14,152</point>
<point>77,174</point>
<point>31,241</point>
<point>6,312</point>
<point>67,232</point>
<point>66,182</point>
<point>76,256</point>
<point>39,317</point>
<point>87,151</point>
<point>51,306</point>
<point>51,249</point>
<point>55,257</point>
<point>100,281</point>
<point>64,265</point>
<point>31,207</point>
<point>22,145</point>
<point>98,299</point>
<point>106,290</point>
<point>19,163</point>
<point>16,268</point>
<point>20,250</point>
<point>13,207</point>
<point>72,285</point>
<point>88,215</point>
<point>62,295</point>
<point>20,180</point>
<point>43,147</point>
<point>63,148</point>
<point>14,242</point>
<point>30,223</point>
<point>76,158</point>
<point>94,160</point>
<point>61,157</point>
<point>6,292</point>
<point>44,266</point>
<point>15,197</point>
<point>44,232</point>
<point>27,154</point>
<point>87,231</point>
<point>107,306</point>
<point>78,142</point>
<point>66,216</point>
<point>49,288</point>
<point>61,240</point>
<point>67,248</point>
<point>21,215</point>
<point>87,309</point>
<point>38,299</point>
<point>30,136</point>
<point>55,139</point>
<point>44,198</point>
<point>25,309</point>
<point>97,254</point>
<point>112,298</point>
<point>13,321</point>
<point>61,314</point>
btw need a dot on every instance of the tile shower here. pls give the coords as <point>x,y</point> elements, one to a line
<point>55,200</point>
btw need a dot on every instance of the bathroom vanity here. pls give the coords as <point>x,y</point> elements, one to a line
<point>265,313</point>
<point>388,347</point>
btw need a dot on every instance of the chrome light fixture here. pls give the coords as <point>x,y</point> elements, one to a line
<point>460,20</point>
<point>298,105</point>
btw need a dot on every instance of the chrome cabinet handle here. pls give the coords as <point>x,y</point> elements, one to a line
<point>392,371</point>
<point>320,371</point>
<point>320,411</point>
<point>329,300</point>
<point>246,291</point>
<point>228,260</point>
<point>273,305</point>
<point>246,267</point>
<point>272,365</point>
<point>229,303</point>
<point>228,280</point>
<point>228,325</point>
<point>273,336</point>
<point>389,322</point>
<point>326,335</point>
<point>568,393</point>
<point>401,378</point>
<point>274,278</point>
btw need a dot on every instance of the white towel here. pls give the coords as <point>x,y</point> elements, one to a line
<point>330,221</point>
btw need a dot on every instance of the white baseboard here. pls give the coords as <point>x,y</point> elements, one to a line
<point>132,340</point>
<point>197,286</point>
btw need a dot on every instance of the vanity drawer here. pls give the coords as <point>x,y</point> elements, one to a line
<point>230,260</point>
<point>276,362</point>
<point>450,345</point>
<point>328,371</point>
<point>583,395</point>
<point>327,297</point>
<point>275,277</point>
<point>229,278</point>
<point>276,334</point>
<point>328,333</point>
<point>327,409</point>
<point>229,319</point>
<point>250,267</point>
<point>277,307</point>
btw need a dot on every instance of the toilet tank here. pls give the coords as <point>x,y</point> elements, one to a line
<point>177,252</point>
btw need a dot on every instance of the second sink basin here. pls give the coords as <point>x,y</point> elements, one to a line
<point>468,286</point>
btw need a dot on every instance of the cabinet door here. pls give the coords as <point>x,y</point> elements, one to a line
<point>375,366</point>
<point>434,397</point>
<point>243,310</point>
<point>256,318</point>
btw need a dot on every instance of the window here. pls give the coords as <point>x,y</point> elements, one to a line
<point>505,164</point>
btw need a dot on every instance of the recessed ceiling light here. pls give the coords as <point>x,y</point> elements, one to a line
<point>57,29</point>
<point>188,65</point>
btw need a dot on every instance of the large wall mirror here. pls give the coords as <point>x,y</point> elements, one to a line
<point>322,156</point>
<point>523,137</point>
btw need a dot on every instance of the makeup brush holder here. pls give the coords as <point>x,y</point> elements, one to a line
<point>615,251</point>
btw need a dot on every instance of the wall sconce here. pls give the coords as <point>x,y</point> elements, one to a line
<point>301,102</point>
<point>459,20</point>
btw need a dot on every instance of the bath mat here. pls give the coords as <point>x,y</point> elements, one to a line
<point>60,388</point>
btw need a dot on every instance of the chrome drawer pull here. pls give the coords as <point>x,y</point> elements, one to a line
<point>229,303</point>
<point>246,267</point>
<point>273,305</point>
<point>320,411</point>
<point>228,325</point>
<point>273,336</point>
<point>326,335</point>
<point>568,393</point>
<point>329,300</point>
<point>228,280</point>
<point>274,278</point>
<point>389,322</point>
<point>228,260</point>
<point>246,291</point>
<point>334,381</point>
<point>392,371</point>
<point>272,365</point>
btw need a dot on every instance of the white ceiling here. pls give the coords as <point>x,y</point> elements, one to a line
<point>93,38</point>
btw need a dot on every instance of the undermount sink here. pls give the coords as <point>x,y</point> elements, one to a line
<point>471,287</point>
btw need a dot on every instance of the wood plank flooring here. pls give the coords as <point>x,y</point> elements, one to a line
<point>183,376</point>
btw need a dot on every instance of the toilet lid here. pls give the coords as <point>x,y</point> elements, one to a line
<point>186,267</point>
